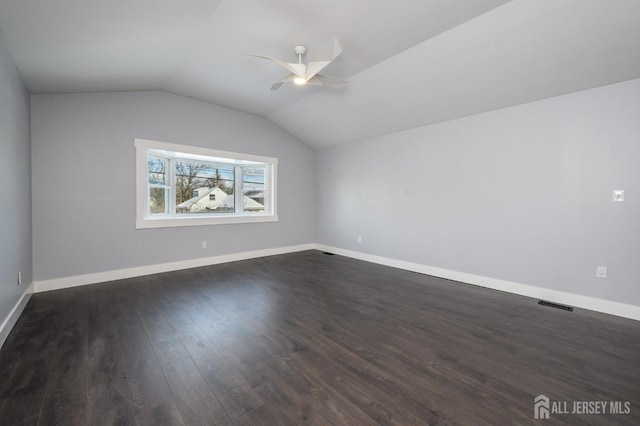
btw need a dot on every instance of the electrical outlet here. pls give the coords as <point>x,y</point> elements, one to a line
<point>204,244</point>
<point>359,239</point>
<point>618,196</point>
<point>19,278</point>
<point>601,272</point>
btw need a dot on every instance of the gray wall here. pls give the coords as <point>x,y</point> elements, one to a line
<point>15,186</point>
<point>521,194</point>
<point>84,181</point>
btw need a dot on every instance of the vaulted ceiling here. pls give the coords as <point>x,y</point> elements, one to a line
<point>409,62</point>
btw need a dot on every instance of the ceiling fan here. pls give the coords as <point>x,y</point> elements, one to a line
<point>301,73</point>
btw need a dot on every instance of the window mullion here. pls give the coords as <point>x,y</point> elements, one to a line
<point>239,189</point>
<point>172,186</point>
<point>147,185</point>
<point>268,178</point>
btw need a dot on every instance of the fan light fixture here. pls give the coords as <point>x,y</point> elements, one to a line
<point>308,74</point>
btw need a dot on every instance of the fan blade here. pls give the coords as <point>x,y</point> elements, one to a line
<point>299,70</point>
<point>287,78</point>
<point>323,80</point>
<point>324,57</point>
<point>258,56</point>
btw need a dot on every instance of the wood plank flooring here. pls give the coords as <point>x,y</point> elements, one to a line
<point>308,338</point>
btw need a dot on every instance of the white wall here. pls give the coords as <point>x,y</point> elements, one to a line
<point>521,194</point>
<point>15,190</point>
<point>84,181</point>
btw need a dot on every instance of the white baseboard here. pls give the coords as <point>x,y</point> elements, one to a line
<point>15,313</point>
<point>579,301</point>
<point>99,277</point>
<point>576,300</point>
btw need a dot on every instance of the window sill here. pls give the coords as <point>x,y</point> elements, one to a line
<point>201,221</point>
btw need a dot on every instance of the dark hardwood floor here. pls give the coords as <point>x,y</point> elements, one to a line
<point>308,338</point>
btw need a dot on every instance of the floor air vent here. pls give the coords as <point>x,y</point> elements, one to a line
<point>327,253</point>
<point>555,305</point>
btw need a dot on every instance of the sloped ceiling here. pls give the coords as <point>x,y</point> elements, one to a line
<point>409,62</point>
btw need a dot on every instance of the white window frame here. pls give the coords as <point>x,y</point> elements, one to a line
<point>144,219</point>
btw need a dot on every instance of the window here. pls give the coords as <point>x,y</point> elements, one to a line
<point>184,186</point>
